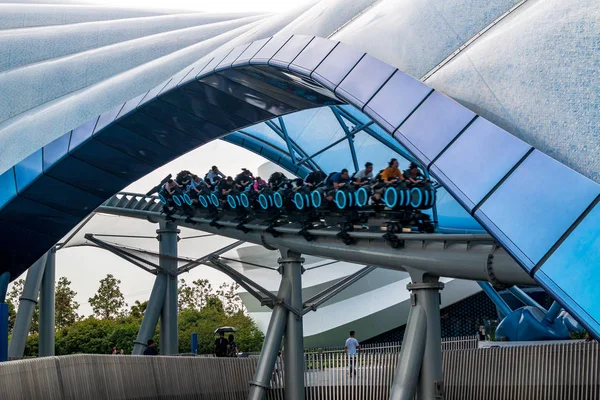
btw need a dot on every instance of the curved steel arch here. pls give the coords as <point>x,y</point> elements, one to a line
<point>508,186</point>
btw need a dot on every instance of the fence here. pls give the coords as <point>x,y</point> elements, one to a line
<point>566,371</point>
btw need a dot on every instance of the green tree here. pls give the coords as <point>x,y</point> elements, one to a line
<point>108,302</point>
<point>203,290</point>
<point>232,303</point>
<point>138,309</point>
<point>65,305</point>
<point>187,299</point>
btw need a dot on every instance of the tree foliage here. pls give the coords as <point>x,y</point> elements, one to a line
<point>108,302</point>
<point>65,305</point>
<point>138,309</point>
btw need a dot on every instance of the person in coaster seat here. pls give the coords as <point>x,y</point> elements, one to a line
<point>338,180</point>
<point>259,184</point>
<point>314,179</point>
<point>413,175</point>
<point>226,187</point>
<point>183,178</point>
<point>214,173</point>
<point>392,174</point>
<point>171,187</point>
<point>196,184</point>
<point>364,176</point>
<point>244,179</point>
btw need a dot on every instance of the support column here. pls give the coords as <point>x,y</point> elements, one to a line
<point>27,303</point>
<point>503,308</point>
<point>291,263</point>
<point>406,377</point>
<point>431,379</point>
<point>153,310</point>
<point>47,307</point>
<point>552,313</point>
<point>271,344</point>
<point>4,279</point>
<point>167,236</point>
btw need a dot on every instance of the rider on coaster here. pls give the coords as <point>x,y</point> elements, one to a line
<point>244,179</point>
<point>338,181</point>
<point>227,186</point>
<point>413,174</point>
<point>364,176</point>
<point>171,186</point>
<point>315,178</point>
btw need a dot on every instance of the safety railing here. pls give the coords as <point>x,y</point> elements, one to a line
<point>554,372</point>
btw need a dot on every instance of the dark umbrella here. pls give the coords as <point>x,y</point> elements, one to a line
<point>225,329</point>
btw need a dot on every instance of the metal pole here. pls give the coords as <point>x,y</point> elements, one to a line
<point>167,236</point>
<point>406,377</point>
<point>552,313</point>
<point>426,292</point>
<point>27,303</point>
<point>4,281</point>
<point>271,345</point>
<point>503,308</point>
<point>155,305</point>
<point>194,343</point>
<point>291,263</point>
<point>47,307</point>
<point>525,298</point>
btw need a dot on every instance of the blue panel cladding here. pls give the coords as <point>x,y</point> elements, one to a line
<point>8,187</point>
<point>131,105</point>
<point>312,55</point>
<point>231,57</point>
<point>26,213</point>
<point>396,100</point>
<point>56,150</point>
<point>224,101</point>
<point>247,95</point>
<point>108,117</point>
<point>109,159</point>
<point>61,196</point>
<point>473,164</point>
<point>217,57</point>
<point>179,77</point>
<point>21,247</point>
<point>334,68</point>
<point>160,132</point>
<point>87,177</point>
<point>246,56</point>
<point>290,51</point>
<point>432,126</point>
<point>29,170</point>
<point>189,103</point>
<point>82,133</point>
<point>182,121</point>
<point>571,272</point>
<point>269,49</point>
<point>535,206</point>
<point>134,145</point>
<point>364,81</point>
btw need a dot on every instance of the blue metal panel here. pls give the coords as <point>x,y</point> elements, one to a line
<point>472,165</point>
<point>247,95</point>
<point>8,187</point>
<point>3,331</point>
<point>189,103</point>
<point>246,56</point>
<point>131,105</point>
<point>396,100</point>
<point>231,57</point>
<point>28,170</point>
<point>312,55</point>
<point>535,206</point>
<point>27,213</point>
<point>81,134</point>
<point>110,160</point>
<point>86,177</point>
<point>151,95</point>
<point>432,126</point>
<point>136,146</point>
<point>364,80</point>
<point>182,120</point>
<point>22,247</point>
<point>290,51</point>
<point>336,66</point>
<point>179,77</point>
<point>56,150</point>
<point>160,133</point>
<point>571,273</point>
<point>217,57</point>
<point>63,197</point>
<point>269,49</point>
<point>108,117</point>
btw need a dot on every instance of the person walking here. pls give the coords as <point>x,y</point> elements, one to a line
<point>352,347</point>
<point>232,350</point>
<point>150,348</point>
<point>221,345</point>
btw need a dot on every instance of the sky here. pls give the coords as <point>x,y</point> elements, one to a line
<point>208,5</point>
